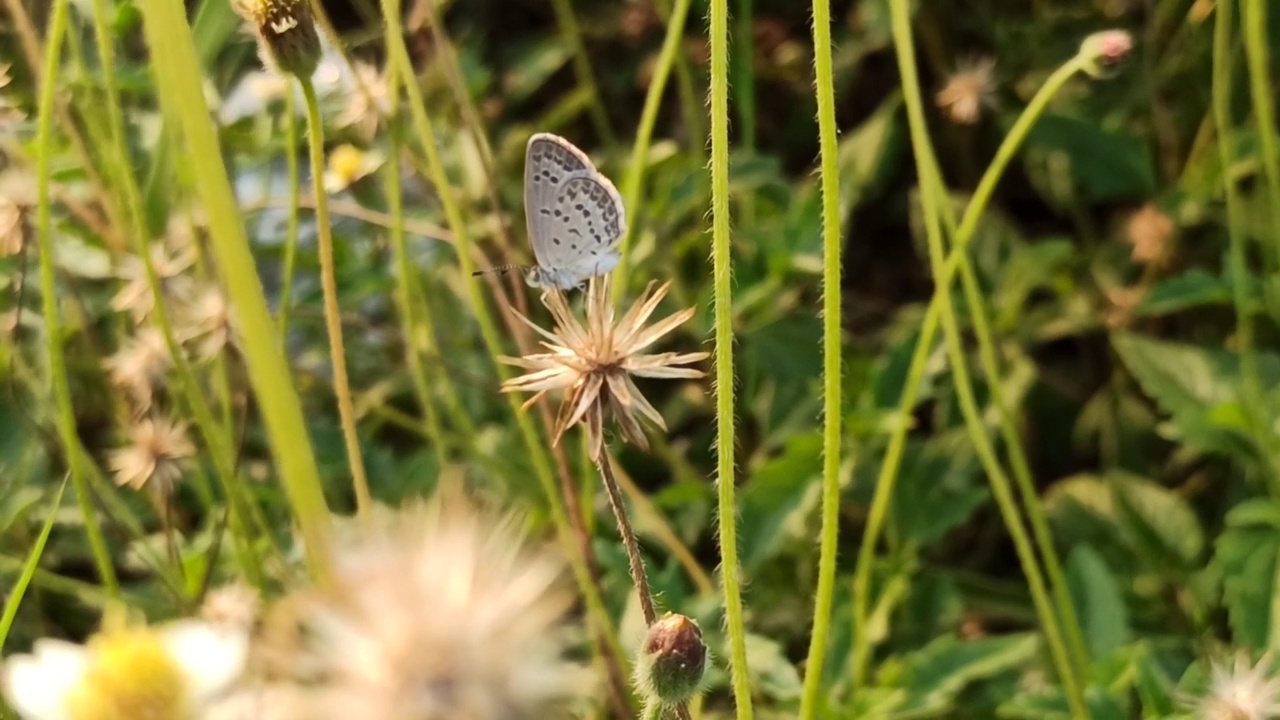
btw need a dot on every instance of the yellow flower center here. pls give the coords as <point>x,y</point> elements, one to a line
<point>347,163</point>
<point>130,676</point>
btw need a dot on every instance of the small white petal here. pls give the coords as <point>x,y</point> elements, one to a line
<point>212,657</point>
<point>37,685</point>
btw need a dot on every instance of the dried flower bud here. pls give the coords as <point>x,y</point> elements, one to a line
<point>1105,51</point>
<point>286,33</point>
<point>672,661</point>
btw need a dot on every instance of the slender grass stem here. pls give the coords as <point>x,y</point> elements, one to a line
<point>66,417</point>
<point>638,575</point>
<point>332,312</point>
<point>726,438</point>
<point>887,477</point>
<point>824,84</point>
<point>615,659</point>
<point>633,182</point>
<point>14,598</point>
<point>569,30</point>
<point>1254,26</point>
<point>291,226</point>
<point>180,89</point>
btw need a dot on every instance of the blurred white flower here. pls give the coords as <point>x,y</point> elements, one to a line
<point>139,367</point>
<point>156,454</point>
<point>171,672</point>
<point>367,101</point>
<point>349,164</point>
<point>1240,691</point>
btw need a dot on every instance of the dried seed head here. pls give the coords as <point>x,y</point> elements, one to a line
<point>1151,233</point>
<point>672,662</point>
<point>971,87</point>
<point>1239,691</point>
<point>157,453</point>
<point>286,33</point>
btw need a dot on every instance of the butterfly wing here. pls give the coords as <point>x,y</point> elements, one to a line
<point>549,162</point>
<point>587,221</point>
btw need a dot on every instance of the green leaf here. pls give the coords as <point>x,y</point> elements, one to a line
<point>1098,601</point>
<point>935,675</point>
<point>1193,289</point>
<point>1197,387</point>
<point>1157,522</point>
<point>937,489</point>
<point>1246,557</point>
<point>771,671</point>
<point>1103,164</point>
<point>777,499</point>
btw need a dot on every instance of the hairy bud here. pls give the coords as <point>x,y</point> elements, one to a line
<point>1105,51</point>
<point>672,661</point>
<point>286,33</point>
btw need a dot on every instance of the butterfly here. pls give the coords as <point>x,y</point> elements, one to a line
<point>574,215</point>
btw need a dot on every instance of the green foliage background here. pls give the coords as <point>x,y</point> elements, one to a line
<point>1148,420</point>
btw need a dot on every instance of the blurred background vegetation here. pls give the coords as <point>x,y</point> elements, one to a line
<point>1104,263</point>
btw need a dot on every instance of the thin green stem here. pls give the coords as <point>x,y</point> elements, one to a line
<point>633,183</point>
<point>888,475</point>
<point>180,89</point>
<point>639,577</point>
<point>404,283</point>
<point>291,227</point>
<point>14,599</point>
<point>1017,456</point>
<point>1254,24</point>
<point>726,438</point>
<point>615,659</point>
<point>66,419</point>
<point>568,22</point>
<point>332,312</point>
<point>832,388</point>
<point>219,442</point>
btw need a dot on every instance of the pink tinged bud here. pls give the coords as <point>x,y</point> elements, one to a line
<point>1105,51</point>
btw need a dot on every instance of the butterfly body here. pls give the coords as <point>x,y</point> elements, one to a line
<point>574,215</point>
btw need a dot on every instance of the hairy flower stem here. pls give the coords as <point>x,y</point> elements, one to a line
<point>333,321</point>
<point>638,574</point>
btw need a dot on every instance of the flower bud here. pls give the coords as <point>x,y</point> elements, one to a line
<point>1105,51</point>
<point>286,33</point>
<point>672,661</point>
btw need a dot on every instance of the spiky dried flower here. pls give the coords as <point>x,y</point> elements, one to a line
<point>139,367</point>
<point>286,32</point>
<point>170,258</point>
<point>1151,233</point>
<point>1240,691</point>
<point>367,101</point>
<point>156,455</point>
<point>206,323</point>
<point>594,363</point>
<point>971,87</point>
<point>442,612</point>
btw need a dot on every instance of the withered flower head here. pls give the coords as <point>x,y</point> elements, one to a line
<point>286,33</point>
<point>443,612</point>
<point>170,258</point>
<point>206,323</point>
<point>155,455</point>
<point>139,367</point>
<point>968,89</point>
<point>594,363</point>
<point>1151,233</point>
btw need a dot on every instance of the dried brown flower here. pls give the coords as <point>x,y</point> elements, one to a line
<point>206,323</point>
<point>155,455</point>
<point>1152,234</point>
<point>170,259</point>
<point>968,90</point>
<point>594,363</point>
<point>286,32</point>
<point>139,367</point>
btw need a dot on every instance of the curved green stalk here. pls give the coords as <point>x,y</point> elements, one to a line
<point>888,474</point>
<point>633,182</point>
<point>1254,24</point>
<point>180,89</point>
<point>332,312</point>
<point>14,599</point>
<point>726,438</point>
<point>404,281</point>
<point>399,55</point>
<point>1013,444</point>
<point>66,419</point>
<point>291,229</point>
<point>218,441</point>
<point>831,373</point>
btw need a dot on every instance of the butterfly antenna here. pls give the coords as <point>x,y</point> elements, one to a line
<point>498,269</point>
